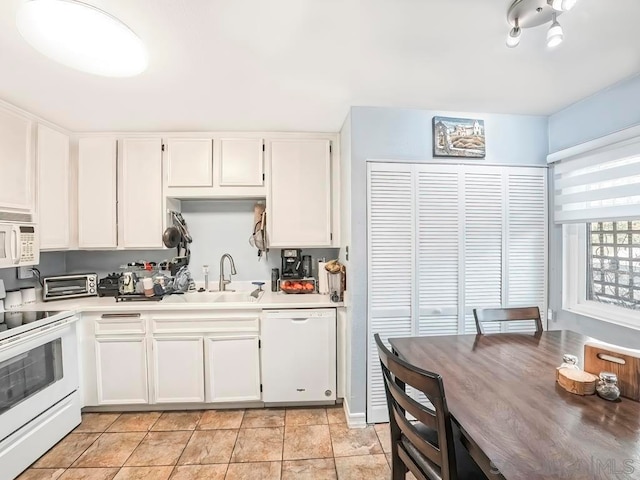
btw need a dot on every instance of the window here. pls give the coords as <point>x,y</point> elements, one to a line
<point>596,199</point>
<point>613,263</point>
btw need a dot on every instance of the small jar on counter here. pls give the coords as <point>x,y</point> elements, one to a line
<point>570,361</point>
<point>607,387</point>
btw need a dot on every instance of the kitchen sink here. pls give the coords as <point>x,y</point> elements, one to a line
<point>211,297</point>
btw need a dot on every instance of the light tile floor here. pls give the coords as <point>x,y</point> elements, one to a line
<point>261,444</point>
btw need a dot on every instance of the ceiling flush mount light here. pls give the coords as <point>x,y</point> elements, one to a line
<point>555,35</point>
<point>533,13</point>
<point>83,37</point>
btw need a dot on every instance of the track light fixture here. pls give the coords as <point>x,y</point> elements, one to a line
<point>533,13</point>
<point>513,39</point>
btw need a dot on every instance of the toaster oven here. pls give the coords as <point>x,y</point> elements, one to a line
<point>62,287</point>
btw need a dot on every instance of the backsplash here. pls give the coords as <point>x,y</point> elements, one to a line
<point>51,263</point>
<point>217,227</point>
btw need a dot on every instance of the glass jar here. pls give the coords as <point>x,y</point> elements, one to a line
<point>607,387</point>
<point>570,361</point>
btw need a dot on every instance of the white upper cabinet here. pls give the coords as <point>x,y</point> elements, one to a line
<point>190,162</point>
<point>53,189</point>
<point>140,193</point>
<point>16,162</point>
<point>241,162</point>
<point>97,196</point>
<point>299,200</point>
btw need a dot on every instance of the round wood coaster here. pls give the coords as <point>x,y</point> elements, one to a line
<point>576,381</point>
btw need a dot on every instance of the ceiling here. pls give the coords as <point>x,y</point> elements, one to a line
<point>298,65</point>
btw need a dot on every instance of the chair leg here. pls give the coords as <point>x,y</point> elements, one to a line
<point>398,468</point>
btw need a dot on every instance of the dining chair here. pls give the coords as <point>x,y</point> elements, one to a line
<point>487,315</point>
<point>430,446</point>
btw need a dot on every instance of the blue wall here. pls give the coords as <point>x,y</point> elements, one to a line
<point>608,111</point>
<point>405,134</point>
<point>612,109</point>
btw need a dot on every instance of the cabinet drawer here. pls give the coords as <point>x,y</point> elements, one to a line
<point>120,323</point>
<point>215,323</point>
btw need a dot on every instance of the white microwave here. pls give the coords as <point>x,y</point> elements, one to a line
<point>19,245</point>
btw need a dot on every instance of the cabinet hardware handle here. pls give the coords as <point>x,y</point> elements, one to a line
<point>121,315</point>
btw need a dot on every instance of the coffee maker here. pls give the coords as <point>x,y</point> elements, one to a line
<point>291,263</point>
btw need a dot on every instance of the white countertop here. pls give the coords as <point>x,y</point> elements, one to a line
<point>268,300</point>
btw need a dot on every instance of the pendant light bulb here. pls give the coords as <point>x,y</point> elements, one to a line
<point>555,35</point>
<point>562,5</point>
<point>513,39</point>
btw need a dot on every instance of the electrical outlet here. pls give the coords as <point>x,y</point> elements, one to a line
<point>25,273</point>
<point>550,315</point>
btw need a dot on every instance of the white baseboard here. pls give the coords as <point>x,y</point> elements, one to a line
<point>354,420</point>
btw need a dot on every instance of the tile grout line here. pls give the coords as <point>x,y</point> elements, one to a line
<point>235,442</point>
<point>182,452</point>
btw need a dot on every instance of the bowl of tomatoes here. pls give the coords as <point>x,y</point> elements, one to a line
<point>298,286</point>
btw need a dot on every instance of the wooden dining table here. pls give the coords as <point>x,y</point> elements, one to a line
<point>516,421</point>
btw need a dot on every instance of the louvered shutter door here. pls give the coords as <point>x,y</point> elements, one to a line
<point>526,242</point>
<point>391,220</point>
<point>438,242</point>
<point>483,225</point>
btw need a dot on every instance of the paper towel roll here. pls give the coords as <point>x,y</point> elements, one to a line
<point>323,279</point>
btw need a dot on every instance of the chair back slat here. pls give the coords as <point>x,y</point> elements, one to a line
<point>397,374</point>
<point>488,315</point>
<point>420,412</point>
<point>426,448</point>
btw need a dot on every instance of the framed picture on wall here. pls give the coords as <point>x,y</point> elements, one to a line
<point>458,137</point>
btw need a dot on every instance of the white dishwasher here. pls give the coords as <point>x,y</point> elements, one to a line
<point>298,354</point>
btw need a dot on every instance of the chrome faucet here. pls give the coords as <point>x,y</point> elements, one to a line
<point>223,283</point>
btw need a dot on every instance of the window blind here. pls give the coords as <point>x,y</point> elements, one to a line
<point>602,184</point>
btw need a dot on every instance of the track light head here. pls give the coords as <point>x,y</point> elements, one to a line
<point>555,35</point>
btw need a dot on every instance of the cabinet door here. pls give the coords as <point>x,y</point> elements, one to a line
<point>298,359</point>
<point>241,162</point>
<point>97,199</point>
<point>140,193</point>
<point>233,369</point>
<point>299,203</point>
<point>16,163</point>
<point>178,369</point>
<point>53,189</point>
<point>121,370</point>
<point>190,162</point>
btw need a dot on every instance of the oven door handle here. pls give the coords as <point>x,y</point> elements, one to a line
<point>52,330</point>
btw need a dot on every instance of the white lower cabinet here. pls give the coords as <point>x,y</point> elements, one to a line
<point>121,370</point>
<point>233,368</point>
<point>178,367</point>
